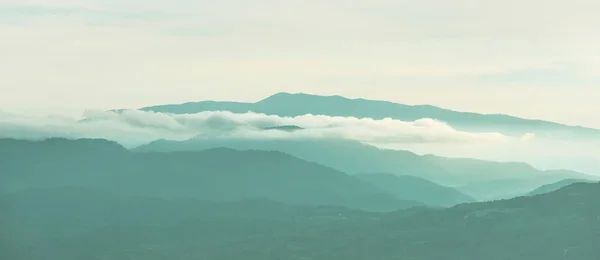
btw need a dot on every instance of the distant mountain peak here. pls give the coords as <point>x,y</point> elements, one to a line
<point>296,104</point>
<point>301,96</point>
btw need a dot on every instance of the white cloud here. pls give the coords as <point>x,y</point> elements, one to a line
<point>134,127</point>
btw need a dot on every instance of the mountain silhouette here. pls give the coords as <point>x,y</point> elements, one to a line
<point>287,128</point>
<point>555,186</point>
<point>415,188</point>
<point>287,104</point>
<point>354,157</point>
<point>218,174</point>
<point>90,224</point>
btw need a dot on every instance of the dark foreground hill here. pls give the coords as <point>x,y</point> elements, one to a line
<point>555,186</point>
<point>217,174</point>
<point>83,224</point>
<point>355,157</point>
<point>285,104</point>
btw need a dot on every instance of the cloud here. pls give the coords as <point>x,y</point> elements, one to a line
<point>135,127</point>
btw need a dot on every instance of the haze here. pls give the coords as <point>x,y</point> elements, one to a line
<point>531,58</point>
<point>288,130</point>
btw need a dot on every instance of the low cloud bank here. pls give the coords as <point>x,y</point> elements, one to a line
<point>134,127</point>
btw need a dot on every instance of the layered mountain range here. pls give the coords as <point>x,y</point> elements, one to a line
<point>80,223</point>
<point>219,197</point>
<point>496,179</point>
<point>288,104</point>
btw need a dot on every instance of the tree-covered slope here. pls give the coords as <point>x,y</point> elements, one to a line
<point>355,157</point>
<point>215,174</point>
<point>559,225</point>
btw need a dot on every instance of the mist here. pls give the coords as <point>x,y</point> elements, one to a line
<point>542,153</point>
<point>132,128</point>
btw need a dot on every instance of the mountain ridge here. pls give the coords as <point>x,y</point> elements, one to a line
<point>556,186</point>
<point>354,157</point>
<point>561,223</point>
<point>405,186</point>
<point>295,104</point>
<point>212,174</point>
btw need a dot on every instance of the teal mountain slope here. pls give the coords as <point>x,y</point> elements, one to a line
<point>556,186</point>
<point>354,157</point>
<point>218,174</point>
<point>285,104</point>
<point>505,188</point>
<point>559,225</point>
<point>415,188</point>
<point>37,215</point>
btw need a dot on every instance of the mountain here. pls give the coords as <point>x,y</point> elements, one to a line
<point>218,174</point>
<point>354,157</point>
<point>415,188</point>
<point>563,224</point>
<point>287,128</point>
<point>555,186</point>
<point>286,104</point>
<point>38,215</point>
<point>502,189</point>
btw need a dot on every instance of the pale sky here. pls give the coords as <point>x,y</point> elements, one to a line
<point>529,58</point>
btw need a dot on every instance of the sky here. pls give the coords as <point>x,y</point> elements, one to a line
<point>528,58</point>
